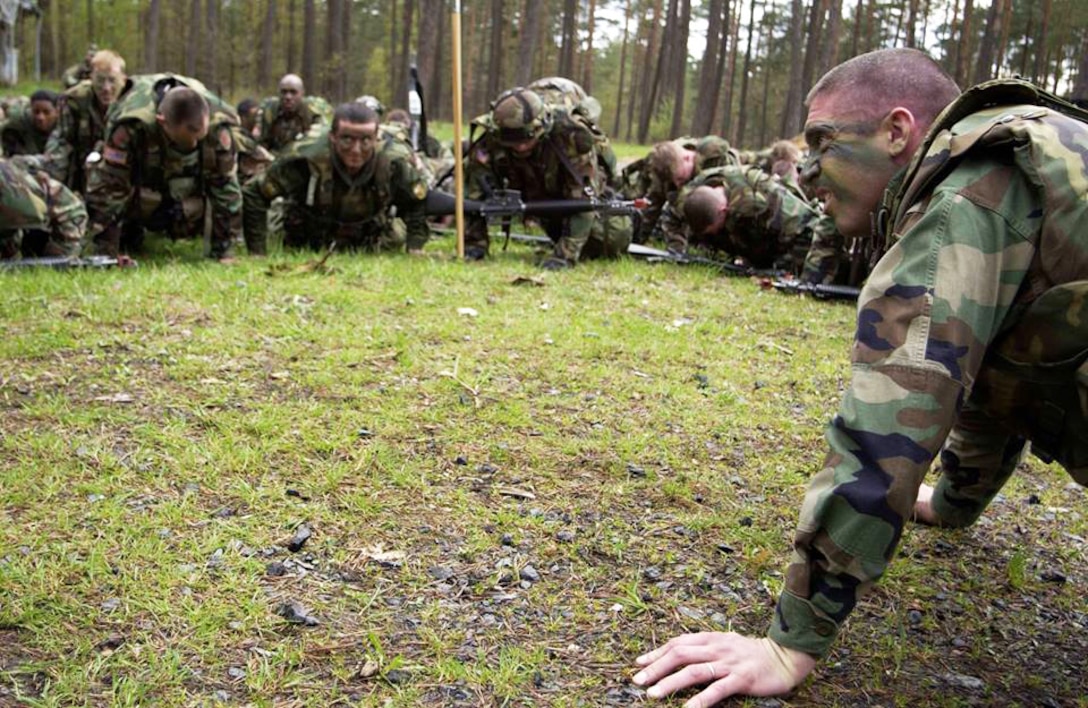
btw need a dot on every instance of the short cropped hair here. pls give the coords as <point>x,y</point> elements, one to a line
<point>44,95</point>
<point>107,59</point>
<point>246,105</point>
<point>663,160</point>
<point>183,105</point>
<point>701,209</point>
<point>785,150</point>
<point>399,115</point>
<point>886,78</point>
<point>353,113</point>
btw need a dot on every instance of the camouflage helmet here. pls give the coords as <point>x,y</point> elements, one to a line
<point>372,102</point>
<point>519,115</point>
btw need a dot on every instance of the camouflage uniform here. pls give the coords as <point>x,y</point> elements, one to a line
<point>571,160</point>
<point>972,334</point>
<point>324,204</point>
<point>767,224</point>
<point>277,130</point>
<point>55,220</point>
<point>81,128</point>
<point>637,180</point>
<point>19,136</point>
<point>142,181</point>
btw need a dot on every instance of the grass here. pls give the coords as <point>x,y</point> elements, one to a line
<point>639,436</point>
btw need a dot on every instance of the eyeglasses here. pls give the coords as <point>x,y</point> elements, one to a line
<point>821,136</point>
<point>347,142</point>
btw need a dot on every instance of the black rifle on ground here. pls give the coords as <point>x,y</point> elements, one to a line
<point>658,255</point>
<point>506,203</point>
<point>64,263</point>
<point>820,292</point>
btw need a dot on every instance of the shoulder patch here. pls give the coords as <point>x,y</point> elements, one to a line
<point>419,191</point>
<point>225,140</point>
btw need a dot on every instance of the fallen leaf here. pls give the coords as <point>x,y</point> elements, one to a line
<point>527,280</point>
<point>467,312</point>
<point>280,375</point>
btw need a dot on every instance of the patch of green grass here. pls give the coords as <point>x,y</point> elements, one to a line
<point>166,430</point>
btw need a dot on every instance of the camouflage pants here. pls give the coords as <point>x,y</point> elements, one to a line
<point>31,243</point>
<point>1032,385</point>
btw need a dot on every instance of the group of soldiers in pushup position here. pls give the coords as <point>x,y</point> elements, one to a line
<point>114,156</point>
<point>972,328</point>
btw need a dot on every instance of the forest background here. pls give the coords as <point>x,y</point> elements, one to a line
<point>754,60</point>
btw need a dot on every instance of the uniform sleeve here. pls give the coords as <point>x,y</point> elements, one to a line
<point>110,180</point>
<point>284,177</point>
<point>58,149</point>
<point>671,227</point>
<point>825,253</point>
<point>224,192</point>
<point>925,318</point>
<point>409,191</point>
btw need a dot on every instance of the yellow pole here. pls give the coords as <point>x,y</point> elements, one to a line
<point>458,156</point>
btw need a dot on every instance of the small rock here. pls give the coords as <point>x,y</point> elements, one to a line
<point>746,521</point>
<point>565,536</point>
<point>726,549</point>
<point>296,494</point>
<point>1034,499</point>
<point>486,468</point>
<point>959,643</point>
<point>653,573</point>
<point>165,533</point>
<point>969,683</point>
<point>460,460</point>
<point>221,696</point>
<point>914,617</point>
<point>530,574</point>
<point>1052,576</point>
<point>236,672</point>
<point>276,569</point>
<point>302,535</point>
<point>111,604</point>
<point>190,488</point>
<point>224,513</point>
<point>93,498</point>
<point>110,643</point>
<point>295,613</point>
<point>440,573</point>
<point>397,676</point>
<point>702,380</point>
<point>364,433</point>
<point>507,539</point>
<point>634,470</point>
<point>691,613</point>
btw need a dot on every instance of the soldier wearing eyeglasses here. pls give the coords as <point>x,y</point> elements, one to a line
<point>349,186</point>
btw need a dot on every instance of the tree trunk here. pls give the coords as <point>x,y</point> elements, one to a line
<point>192,38</point>
<point>991,33</point>
<point>569,38</point>
<point>710,78</point>
<point>587,61</point>
<point>731,71</point>
<point>90,22</point>
<point>639,54</point>
<point>812,44</point>
<point>494,69</point>
<point>963,54</point>
<point>405,63</point>
<point>870,31</point>
<point>645,94</point>
<point>1080,86</point>
<point>829,56</point>
<point>792,115</point>
<point>430,15</point>
<point>309,44</point>
<point>292,48</point>
<point>623,67</point>
<point>742,109</point>
<point>1003,45</point>
<point>330,69</point>
<point>349,80</point>
<point>211,54</point>
<point>527,41</point>
<point>151,38</point>
<point>1038,69</point>
<point>680,67</point>
<point>268,31</point>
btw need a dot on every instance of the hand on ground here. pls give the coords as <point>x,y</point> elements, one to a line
<point>731,664</point>
<point>923,507</point>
